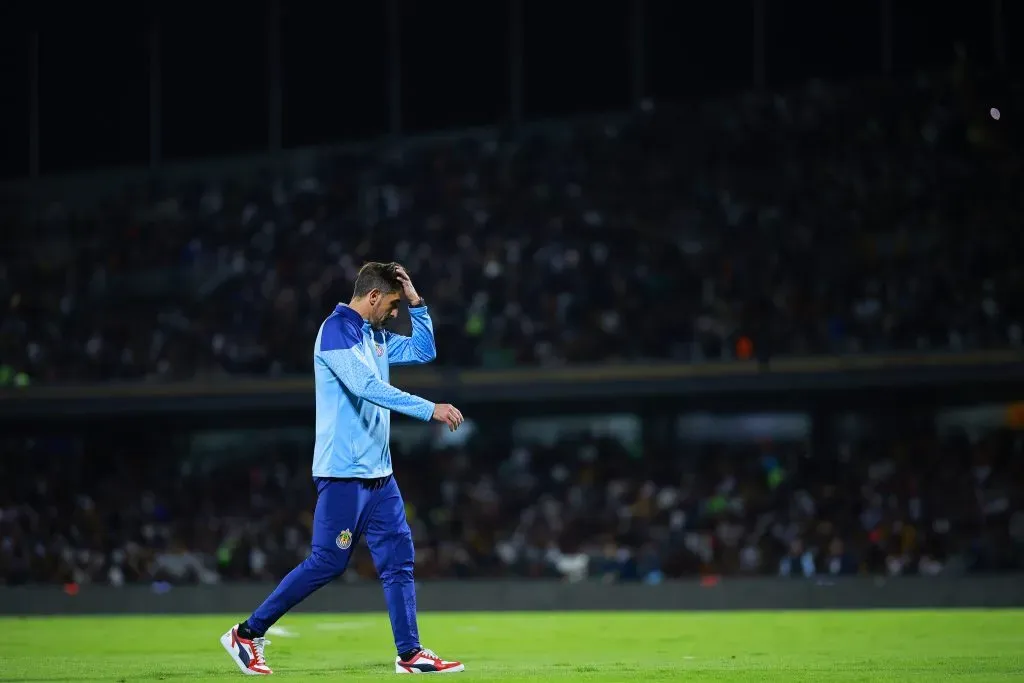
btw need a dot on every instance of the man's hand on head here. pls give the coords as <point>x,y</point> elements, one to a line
<point>408,290</point>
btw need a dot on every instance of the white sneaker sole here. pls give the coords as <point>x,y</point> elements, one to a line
<point>225,641</point>
<point>399,669</point>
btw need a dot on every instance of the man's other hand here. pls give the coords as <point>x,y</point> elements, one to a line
<point>448,414</point>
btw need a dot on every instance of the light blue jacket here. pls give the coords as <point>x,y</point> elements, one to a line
<point>354,399</point>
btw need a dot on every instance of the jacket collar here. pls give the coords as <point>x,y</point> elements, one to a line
<point>349,313</point>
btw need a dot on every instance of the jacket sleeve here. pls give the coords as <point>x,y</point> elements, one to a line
<point>417,349</point>
<point>341,350</point>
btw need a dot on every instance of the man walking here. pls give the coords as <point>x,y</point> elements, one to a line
<point>356,491</point>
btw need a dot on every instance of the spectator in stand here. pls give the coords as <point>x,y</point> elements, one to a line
<point>798,561</point>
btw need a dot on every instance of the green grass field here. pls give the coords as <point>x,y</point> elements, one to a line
<point>778,646</point>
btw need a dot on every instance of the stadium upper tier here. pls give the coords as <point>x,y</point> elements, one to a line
<point>833,219</point>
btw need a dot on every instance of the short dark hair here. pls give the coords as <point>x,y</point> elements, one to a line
<point>373,275</point>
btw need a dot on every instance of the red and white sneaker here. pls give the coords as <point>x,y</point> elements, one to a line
<point>426,662</point>
<point>247,654</point>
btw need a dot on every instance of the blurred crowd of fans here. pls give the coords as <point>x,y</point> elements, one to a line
<point>830,219</point>
<point>582,508</point>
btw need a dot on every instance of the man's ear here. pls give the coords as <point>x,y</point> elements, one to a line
<point>373,296</point>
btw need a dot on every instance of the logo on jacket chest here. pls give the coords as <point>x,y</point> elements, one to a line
<point>378,346</point>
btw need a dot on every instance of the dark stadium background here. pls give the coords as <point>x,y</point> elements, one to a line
<point>662,444</point>
<point>233,80</point>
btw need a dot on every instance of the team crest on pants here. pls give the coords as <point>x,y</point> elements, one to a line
<point>344,539</point>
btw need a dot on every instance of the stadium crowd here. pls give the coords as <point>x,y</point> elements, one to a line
<point>582,508</point>
<point>829,219</point>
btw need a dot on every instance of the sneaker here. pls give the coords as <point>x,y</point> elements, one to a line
<point>247,654</point>
<point>426,662</point>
